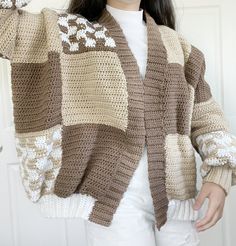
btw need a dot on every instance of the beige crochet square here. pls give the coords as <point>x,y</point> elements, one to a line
<point>177,49</point>
<point>31,41</point>
<point>180,167</point>
<point>94,89</point>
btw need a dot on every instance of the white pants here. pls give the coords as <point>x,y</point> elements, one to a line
<point>133,223</point>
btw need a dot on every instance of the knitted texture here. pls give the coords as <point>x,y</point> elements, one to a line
<point>40,155</point>
<point>218,149</point>
<point>83,114</point>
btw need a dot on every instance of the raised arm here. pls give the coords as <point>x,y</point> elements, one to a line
<point>9,19</point>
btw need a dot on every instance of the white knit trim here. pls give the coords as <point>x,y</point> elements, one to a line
<point>77,205</point>
<point>183,210</point>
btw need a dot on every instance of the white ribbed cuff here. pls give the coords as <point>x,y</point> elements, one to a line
<point>77,205</point>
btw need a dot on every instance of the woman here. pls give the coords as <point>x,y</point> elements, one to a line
<point>102,115</point>
<point>129,15</point>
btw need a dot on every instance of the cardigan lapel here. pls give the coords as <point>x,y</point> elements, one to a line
<point>154,42</point>
<point>150,115</point>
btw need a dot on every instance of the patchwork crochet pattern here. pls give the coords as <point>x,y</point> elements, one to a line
<point>83,114</point>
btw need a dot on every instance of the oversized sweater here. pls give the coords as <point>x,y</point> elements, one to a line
<point>83,114</point>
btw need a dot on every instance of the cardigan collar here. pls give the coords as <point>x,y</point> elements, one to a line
<point>146,105</point>
<point>156,50</point>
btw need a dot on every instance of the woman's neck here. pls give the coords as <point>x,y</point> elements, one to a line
<point>130,18</point>
<point>125,4</point>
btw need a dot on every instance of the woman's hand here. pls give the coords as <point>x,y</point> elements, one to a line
<point>216,195</point>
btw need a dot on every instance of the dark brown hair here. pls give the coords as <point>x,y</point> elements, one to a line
<point>162,11</point>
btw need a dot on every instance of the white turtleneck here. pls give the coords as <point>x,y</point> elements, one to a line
<point>133,26</point>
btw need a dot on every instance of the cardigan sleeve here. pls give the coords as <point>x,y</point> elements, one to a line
<point>9,18</point>
<point>210,132</point>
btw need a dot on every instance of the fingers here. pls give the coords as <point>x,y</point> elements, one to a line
<point>213,214</point>
<point>212,209</point>
<point>200,199</point>
<point>216,216</point>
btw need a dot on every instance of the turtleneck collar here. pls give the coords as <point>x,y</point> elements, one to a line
<point>124,16</point>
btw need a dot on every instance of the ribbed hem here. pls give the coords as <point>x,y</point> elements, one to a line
<point>221,175</point>
<point>77,205</point>
<point>80,206</point>
<point>182,210</point>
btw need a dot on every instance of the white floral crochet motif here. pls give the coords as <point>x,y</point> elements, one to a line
<point>21,3</point>
<point>216,149</point>
<point>76,31</point>
<point>40,161</point>
<point>8,4</point>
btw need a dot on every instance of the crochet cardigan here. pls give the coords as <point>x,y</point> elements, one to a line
<point>82,114</point>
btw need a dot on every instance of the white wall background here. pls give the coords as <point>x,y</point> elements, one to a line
<point>208,24</point>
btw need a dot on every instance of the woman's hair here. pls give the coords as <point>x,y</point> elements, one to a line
<point>162,11</point>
